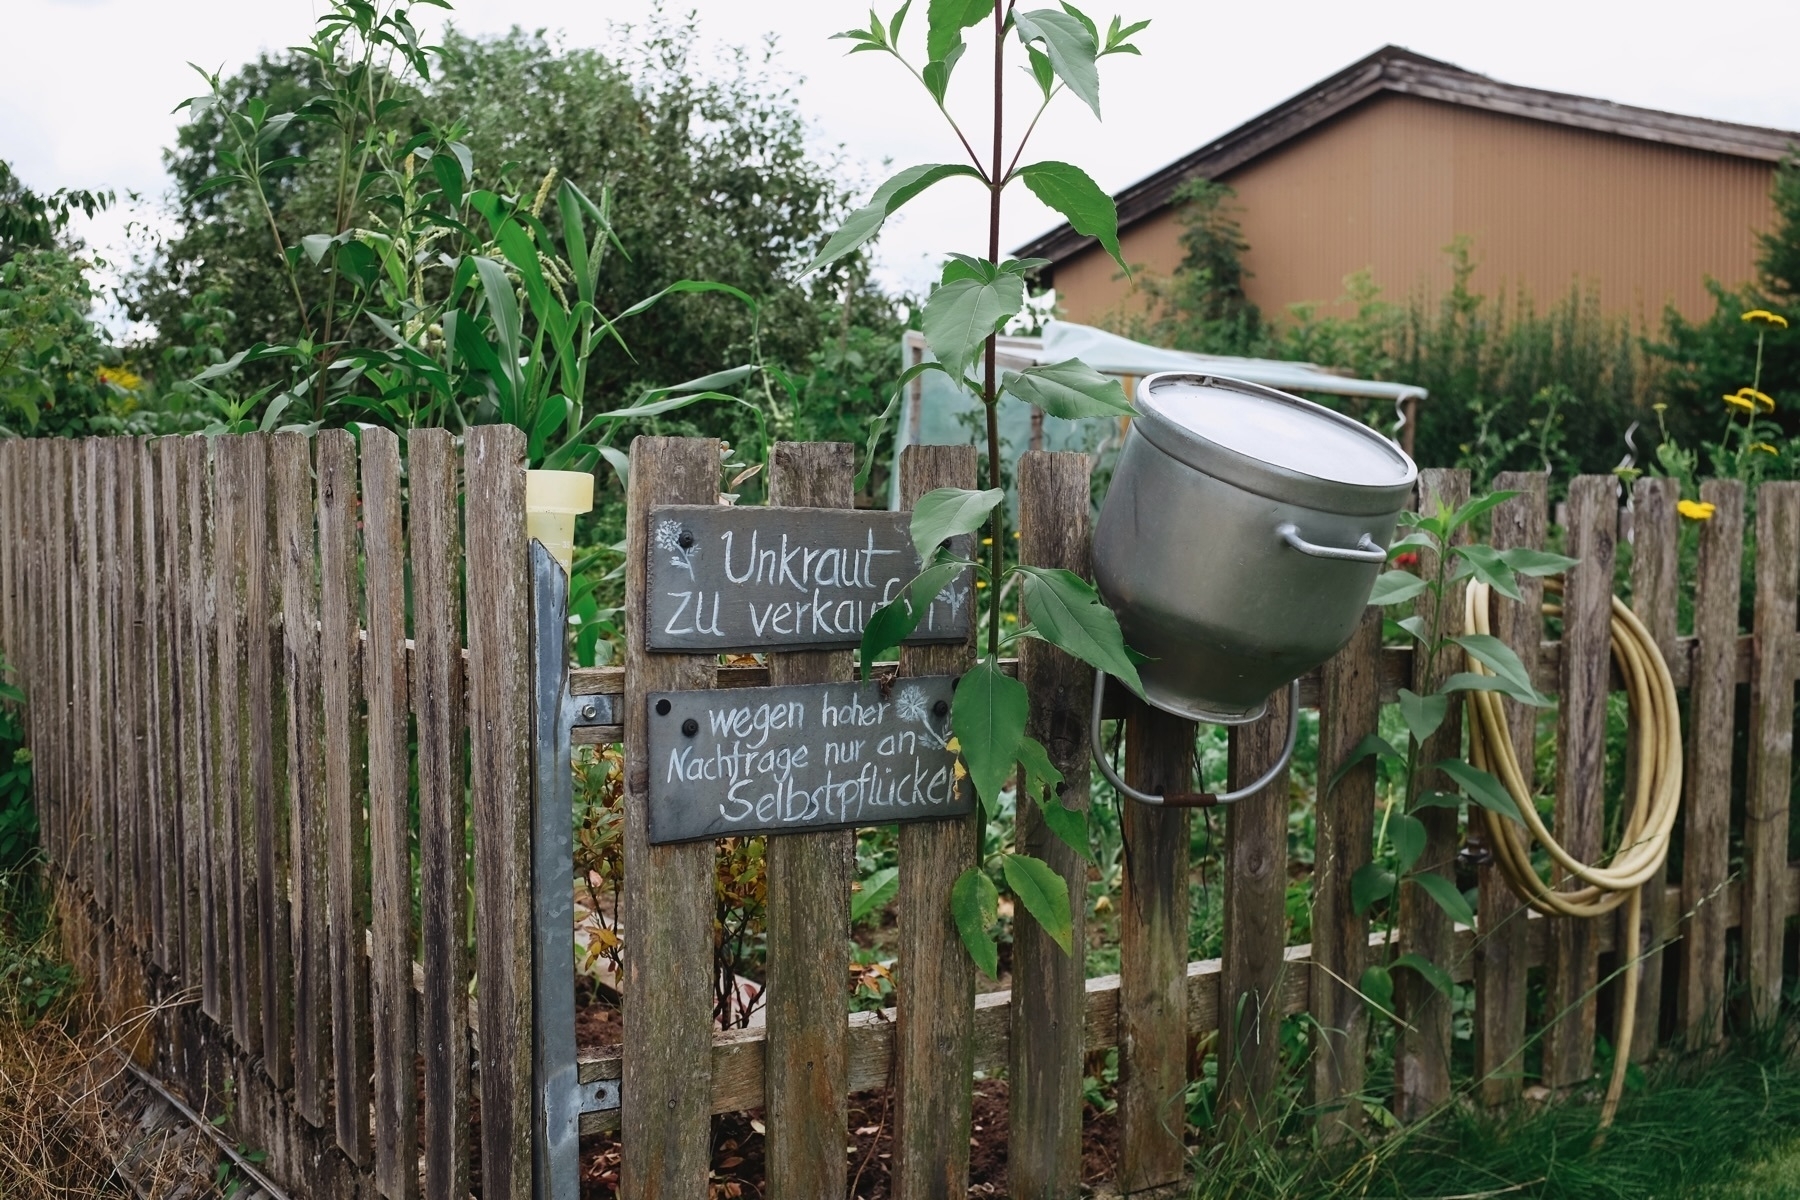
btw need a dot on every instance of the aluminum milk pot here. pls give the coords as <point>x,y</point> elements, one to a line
<point>1241,537</point>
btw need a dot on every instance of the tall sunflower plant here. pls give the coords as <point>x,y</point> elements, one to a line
<point>975,297</point>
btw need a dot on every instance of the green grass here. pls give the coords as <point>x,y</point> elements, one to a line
<point>1717,1129</point>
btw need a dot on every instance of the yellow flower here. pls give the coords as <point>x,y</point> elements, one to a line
<point>1763,316</point>
<point>1660,407</point>
<point>1695,510</point>
<point>121,377</point>
<point>981,583</point>
<point>1765,448</point>
<point>1762,398</point>
<point>987,541</point>
<point>1743,402</point>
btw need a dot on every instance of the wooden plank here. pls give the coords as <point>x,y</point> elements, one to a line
<point>104,503</point>
<point>1153,942</point>
<point>1349,710</point>
<point>1500,950</point>
<point>267,767</point>
<point>1706,808</point>
<point>1045,1072</point>
<point>384,676</point>
<point>665,1137</point>
<point>1771,753</point>
<point>172,534</point>
<point>1255,886</point>
<point>809,878</point>
<point>49,774</point>
<point>347,849</point>
<point>203,766</point>
<point>437,692</point>
<point>236,852</point>
<point>297,555</point>
<point>129,895</point>
<point>1655,571</point>
<point>501,747</point>
<point>933,1035</point>
<point>154,699</point>
<point>1422,1046</point>
<point>10,470</point>
<point>739,1055</point>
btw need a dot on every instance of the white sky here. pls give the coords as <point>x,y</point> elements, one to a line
<point>88,85</point>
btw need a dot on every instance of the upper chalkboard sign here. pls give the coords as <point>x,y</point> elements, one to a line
<point>723,578</point>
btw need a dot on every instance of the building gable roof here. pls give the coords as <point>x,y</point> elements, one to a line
<point>1397,70</point>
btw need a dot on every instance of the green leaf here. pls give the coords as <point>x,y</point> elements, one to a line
<point>1470,681</point>
<point>1422,714</point>
<point>1041,70</point>
<point>1427,970</point>
<point>879,888</point>
<point>988,715</point>
<point>503,311</point>
<point>1377,987</point>
<point>974,906</point>
<point>1418,539</point>
<point>945,21</point>
<point>895,621</point>
<point>1408,833</point>
<point>936,75</point>
<point>1070,825</point>
<point>898,20</point>
<point>866,221</point>
<point>1370,883</point>
<point>1474,508</point>
<point>1499,658</point>
<point>1036,761</point>
<point>1066,611</point>
<point>1043,892</point>
<point>1536,562</point>
<point>1396,587</point>
<point>1480,787</point>
<point>1483,562</point>
<point>960,316</point>
<point>1071,47</point>
<point>1416,626</point>
<point>1434,799</point>
<point>1372,745</point>
<point>1448,898</point>
<point>1071,390</point>
<point>1073,193</point>
<point>945,513</point>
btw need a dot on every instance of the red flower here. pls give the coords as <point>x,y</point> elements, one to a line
<point>1408,559</point>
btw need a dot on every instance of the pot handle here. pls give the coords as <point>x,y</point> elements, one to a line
<point>1191,799</point>
<point>1365,551</point>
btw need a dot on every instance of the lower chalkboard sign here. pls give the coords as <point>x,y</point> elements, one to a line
<point>801,758</point>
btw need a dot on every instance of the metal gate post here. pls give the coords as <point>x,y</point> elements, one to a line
<point>558,1099</point>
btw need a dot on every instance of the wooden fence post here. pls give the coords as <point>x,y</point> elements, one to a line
<point>183,958</point>
<point>201,632</point>
<point>667,1094</point>
<point>1769,784</point>
<point>1422,1047</point>
<point>1048,986</point>
<point>392,1021</point>
<point>1655,570</point>
<point>809,877</point>
<point>1153,952</point>
<point>1712,695</point>
<point>934,1036</point>
<point>500,757</point>
<point>1500,971</point>
<point>1349,710</point>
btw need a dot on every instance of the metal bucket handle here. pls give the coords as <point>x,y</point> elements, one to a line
<point>1367,550</point>
<point>1192,799</point>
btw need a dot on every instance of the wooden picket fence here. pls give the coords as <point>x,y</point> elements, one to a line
<point>245,659</point>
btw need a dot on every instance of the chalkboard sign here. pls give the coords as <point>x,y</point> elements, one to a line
<point>801,758</point>
<point>723,578</point>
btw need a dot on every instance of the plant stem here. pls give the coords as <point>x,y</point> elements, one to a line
<point>990,392</point>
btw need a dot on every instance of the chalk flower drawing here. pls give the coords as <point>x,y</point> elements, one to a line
<point>911,705</point>
<point>668,537</point>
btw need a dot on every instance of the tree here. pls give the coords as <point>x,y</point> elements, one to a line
<point>1203,306</point>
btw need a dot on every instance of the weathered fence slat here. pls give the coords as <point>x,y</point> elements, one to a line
<point>267,768</point>
<point>1655,566</point>
<point>1045,1076</point>
<point>151,687</point>
<point>1706,846</point>
<point>228,584</point>
<point>1769,782</point>
<point>347,852</point>
<point>665,1134</point>
<point>1349,711</point>
<point>384,677</point>
<point>809,878</point>
<point>1254,870</point>
<point>437,691</point>
<point>202,630</point>
<point>1570,976</point>
<point>1500,915</point>
<point>54,802</point>
<point>1153,952</point>
<point>935,1009</point>
<point>182,959</point>
<point>127,852</point>
<point>298,555</point>
<point>1422,1046</point>
<point>500,762</point>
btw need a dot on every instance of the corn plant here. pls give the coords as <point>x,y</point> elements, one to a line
<point>975,297</point>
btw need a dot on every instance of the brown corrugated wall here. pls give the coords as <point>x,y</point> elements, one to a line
<point>1386,186</point>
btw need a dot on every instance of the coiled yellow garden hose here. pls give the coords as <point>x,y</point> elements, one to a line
<point>1644,843</point>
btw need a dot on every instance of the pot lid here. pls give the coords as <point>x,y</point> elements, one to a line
<point>1273,443</point>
